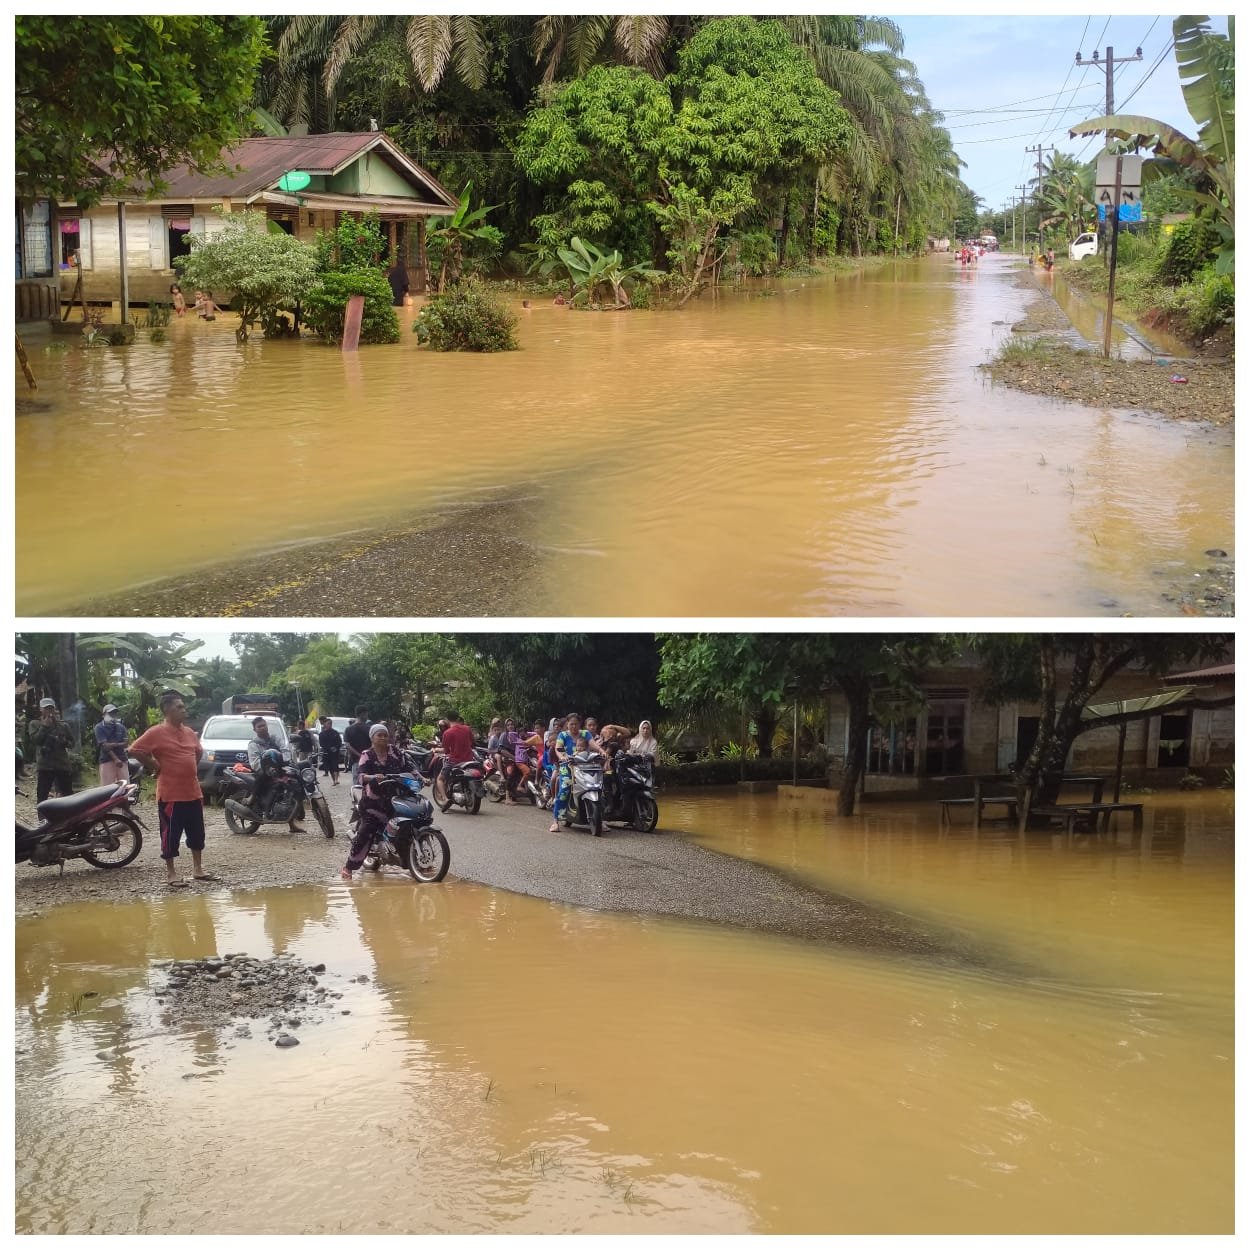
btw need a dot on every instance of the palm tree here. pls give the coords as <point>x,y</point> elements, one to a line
<point>578,42</point>
<point>151,663</point>
<point>328,43</point>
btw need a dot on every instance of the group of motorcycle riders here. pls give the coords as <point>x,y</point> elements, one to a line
<point>531,759</point>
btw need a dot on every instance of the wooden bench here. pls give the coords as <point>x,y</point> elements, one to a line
<point>980,801</point>
<point>1096,815</point>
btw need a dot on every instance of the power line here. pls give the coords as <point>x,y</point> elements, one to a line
<point>1068,75</point>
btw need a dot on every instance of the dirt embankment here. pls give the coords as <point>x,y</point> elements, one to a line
<point>1042,359</point>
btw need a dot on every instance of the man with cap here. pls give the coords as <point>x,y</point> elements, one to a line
<point>51,739</point>
<point>110,741</point>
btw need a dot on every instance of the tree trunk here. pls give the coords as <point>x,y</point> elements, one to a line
<point>785,231</point>
<point>859,701</point>
<point>765,726</point>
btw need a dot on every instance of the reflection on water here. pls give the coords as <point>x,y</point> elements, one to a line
<point>518,1066</point>
<point>828,448</point>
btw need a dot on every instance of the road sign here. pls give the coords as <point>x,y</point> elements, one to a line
<point>1105,180</point>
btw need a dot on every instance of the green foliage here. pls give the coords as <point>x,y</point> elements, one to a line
<point>449,237</point>
<point>354,245</point>
<point>262,271</point>
<point>611,676</point>
<point>1187,248</point>
<point>596,276</point>
<point>325,305</point>
<point>468,318</point>
<point>150,90</point>
<point>744,109</point>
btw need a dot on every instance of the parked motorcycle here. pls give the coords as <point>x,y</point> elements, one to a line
<point>97,825</point>
<point>408,839</point>
<point>291,786</point>
<point>631,799</point>
<point>586,792</point>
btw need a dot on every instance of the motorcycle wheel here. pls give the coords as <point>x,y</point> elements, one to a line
<point>237,825</point>
<point>475,805</point>
<point>321,810</point>
<point>429,856</point>
<point>120,829</point>
<point>373,863</point>
<point>646,813</point>
<point>595,819</point>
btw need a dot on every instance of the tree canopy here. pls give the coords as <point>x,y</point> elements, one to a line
<point>107,103</point>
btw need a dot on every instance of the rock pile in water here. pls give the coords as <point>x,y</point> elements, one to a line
<point>222,988</point>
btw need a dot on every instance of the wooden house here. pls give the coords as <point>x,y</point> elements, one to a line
<point>349,174</point>
<point>956,731</point>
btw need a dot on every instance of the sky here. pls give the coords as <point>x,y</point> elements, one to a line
<point>997,78</point>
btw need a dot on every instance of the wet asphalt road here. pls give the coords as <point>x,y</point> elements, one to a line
<point>510,848</point>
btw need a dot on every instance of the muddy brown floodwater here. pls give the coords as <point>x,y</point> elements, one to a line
<point>824,447</point>
<point>511,1064</point>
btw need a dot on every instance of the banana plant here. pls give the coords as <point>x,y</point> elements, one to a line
<point>592,270</point>
<point>1204,62</point>
<point>464,226</point>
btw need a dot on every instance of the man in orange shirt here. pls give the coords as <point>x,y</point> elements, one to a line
<point>171,750</point>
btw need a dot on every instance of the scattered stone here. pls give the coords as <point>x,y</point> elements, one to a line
<point>322,967</point>
<point>285,1039</point>
<point>1216,553</point>
<point>347,1011</point>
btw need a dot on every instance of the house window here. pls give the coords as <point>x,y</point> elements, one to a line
<point>892,748</point>
<point>1026,735</point>
<point>1174,740</point>
<point>75,235</point>
<point>34,240</point>
<point>944,733</point>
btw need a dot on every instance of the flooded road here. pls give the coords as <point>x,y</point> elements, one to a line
<point>827,447</point>
<point>516,1065</point>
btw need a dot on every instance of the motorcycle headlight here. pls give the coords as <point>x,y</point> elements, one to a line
<point>308,775</point>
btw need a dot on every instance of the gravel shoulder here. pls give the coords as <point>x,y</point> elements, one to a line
<point>511,849</point>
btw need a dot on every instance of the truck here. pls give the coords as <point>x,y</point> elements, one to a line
<point>245,704</point>
<point>1083,245</point>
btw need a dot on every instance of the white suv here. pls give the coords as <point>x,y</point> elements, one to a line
<point>225,739</point>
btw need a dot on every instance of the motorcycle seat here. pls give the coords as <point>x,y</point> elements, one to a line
<point>72,804</point>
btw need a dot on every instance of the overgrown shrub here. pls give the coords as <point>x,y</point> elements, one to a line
<point>468,318</point>
<point>325,306</point>
<point>1186,250</point>
<point>723,772</point>
<point>757,253</point>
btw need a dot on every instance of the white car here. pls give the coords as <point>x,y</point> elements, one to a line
<point>225,738</point>
<point>1083,245</point>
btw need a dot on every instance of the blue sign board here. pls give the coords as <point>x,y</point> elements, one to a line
<point>1128,212</point>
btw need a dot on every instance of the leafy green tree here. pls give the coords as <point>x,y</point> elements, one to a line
<point>265,271</point>
<point>262,656</point>
<point>1065,672</point>
<point>743,112</point>
<point>469,318</point>
<point>612,676</point>
<point>763,672</point>
<point>105,102</point>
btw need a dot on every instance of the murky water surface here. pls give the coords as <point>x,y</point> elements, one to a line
<point>828,447</point>
<point>518,1066</point>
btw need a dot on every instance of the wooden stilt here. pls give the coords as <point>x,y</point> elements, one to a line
<point>21,357</point>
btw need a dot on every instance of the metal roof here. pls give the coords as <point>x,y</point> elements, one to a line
<point>1122,707</point>
<point>1203,674</point>
<point>258,163</point>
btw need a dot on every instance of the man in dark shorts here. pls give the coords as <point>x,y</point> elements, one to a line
<point>356,736</point>
<point>171,750</point>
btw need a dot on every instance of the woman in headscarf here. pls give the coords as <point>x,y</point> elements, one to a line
<point>644,742</point>
<point>379,759</point>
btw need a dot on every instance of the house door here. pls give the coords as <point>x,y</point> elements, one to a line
<point>944,736</point>
<point>1026,736</point>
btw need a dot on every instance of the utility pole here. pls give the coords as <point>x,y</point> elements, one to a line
<point>1108,65</point>
<point>1023,188</point>
<point>1013,223</point>
<point>1039,150</point>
